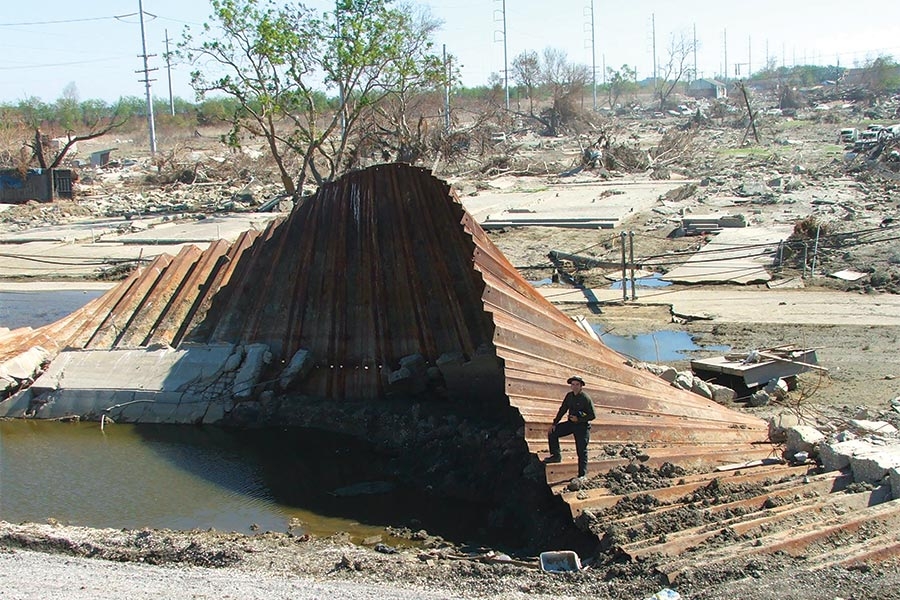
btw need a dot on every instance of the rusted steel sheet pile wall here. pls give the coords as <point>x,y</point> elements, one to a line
<point>382,264</point>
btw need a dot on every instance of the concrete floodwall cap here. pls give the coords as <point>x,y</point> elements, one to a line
<point>575,378</point>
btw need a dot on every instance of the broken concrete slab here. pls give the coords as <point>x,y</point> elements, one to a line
<point>869,460</point>
<point>835,456</point>
<point>873,466</point>
<point>803,438</point>
<point>567,204</point>
<point>865,426</point>
<point>192,384</point>
<point>83,249</point>
<point>848,275</point>
<point>737,255</point>
<point>757,369</point>
<point>25,365</point>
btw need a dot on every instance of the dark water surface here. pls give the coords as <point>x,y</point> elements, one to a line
<point>185,477</point>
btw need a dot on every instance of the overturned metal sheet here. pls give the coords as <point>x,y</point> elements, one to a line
<point>380,265</point>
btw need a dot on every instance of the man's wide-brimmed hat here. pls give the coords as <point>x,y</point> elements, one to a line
<point>575,378</point>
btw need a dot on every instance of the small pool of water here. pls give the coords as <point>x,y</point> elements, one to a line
<point>651,281</point>
<point>656,347</point>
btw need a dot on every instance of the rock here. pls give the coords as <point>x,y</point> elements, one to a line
<point>701,388</point>
<point>721,393</point>
<point>759,398</point>
<point>894,478</point>
<point>245,380</point>
<point>780,423</point>
<point>300,366</point>
<point>752,188</point>
<point>776,388</point>
<point>406,381</point>
<point>665,372</point>
<point>684,380</point>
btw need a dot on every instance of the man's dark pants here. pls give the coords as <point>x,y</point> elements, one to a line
<point>582,433</point>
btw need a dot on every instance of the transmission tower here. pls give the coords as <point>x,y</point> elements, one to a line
<point>593,41</point>
<point>505,61</point>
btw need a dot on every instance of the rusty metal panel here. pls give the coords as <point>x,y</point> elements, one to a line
<point>385,263</point>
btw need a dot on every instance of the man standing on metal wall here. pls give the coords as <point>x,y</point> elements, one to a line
<point>581,412</point>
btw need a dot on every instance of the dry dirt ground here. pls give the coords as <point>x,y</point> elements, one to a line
<point>863,372</point>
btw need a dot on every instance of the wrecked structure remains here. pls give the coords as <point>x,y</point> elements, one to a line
<point>379,308</point>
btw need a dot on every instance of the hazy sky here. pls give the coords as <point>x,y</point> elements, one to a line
<point>99,53</point>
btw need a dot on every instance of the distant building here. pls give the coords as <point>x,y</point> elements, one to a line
<point>707,88</point>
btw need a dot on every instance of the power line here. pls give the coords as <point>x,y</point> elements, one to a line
<point>62,21</point>
<point>65,64</point>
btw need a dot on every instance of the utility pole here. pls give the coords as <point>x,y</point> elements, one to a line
<point>594,56</point>
<point>169,71</point>
<point>725,46</point>
<point>696,72</point>
<point>653,26</point>
<point>448,75</point>
<point>505,59</point>
<point>749,55</point>
<point>146,71</point>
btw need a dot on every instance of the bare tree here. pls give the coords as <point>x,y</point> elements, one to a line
<point>566,82</point>
<point>676,67</point>
<point>526,71</point>
<point>91,126</point>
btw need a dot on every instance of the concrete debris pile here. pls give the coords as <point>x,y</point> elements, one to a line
<point>868,449</point>
<point>688,381</point>
<point>121,192</point>
<point>20,371</point>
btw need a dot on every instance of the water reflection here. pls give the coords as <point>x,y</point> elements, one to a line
<point>185,477</point>
<point>658,346</point>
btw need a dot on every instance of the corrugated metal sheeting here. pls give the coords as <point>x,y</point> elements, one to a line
<point>382,264</point>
